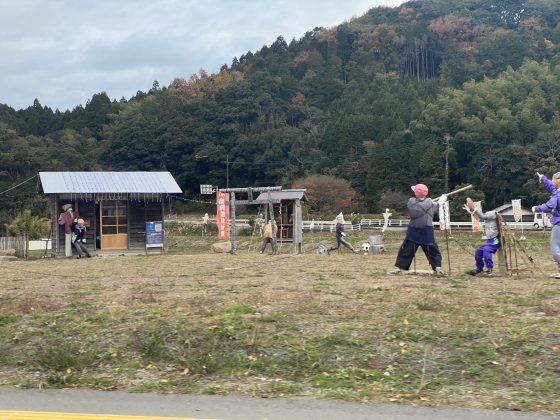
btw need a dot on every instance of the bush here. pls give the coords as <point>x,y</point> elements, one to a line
<point>36,227</point>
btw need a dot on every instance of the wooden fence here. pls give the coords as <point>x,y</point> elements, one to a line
<point>14,242</point>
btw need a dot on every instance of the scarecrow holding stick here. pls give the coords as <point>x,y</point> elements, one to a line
<point>420,232</point>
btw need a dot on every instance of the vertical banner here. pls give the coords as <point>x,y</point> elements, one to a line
<point>444,219</point>
<point>222,216</point>
<point>474,220</point>
<point>516,207</point>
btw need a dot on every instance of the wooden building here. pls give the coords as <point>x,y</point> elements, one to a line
<point>288,214</point>
<point>115,205</point>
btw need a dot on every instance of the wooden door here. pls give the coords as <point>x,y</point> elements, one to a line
<point>113,221</point>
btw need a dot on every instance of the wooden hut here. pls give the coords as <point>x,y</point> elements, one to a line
<point>287,210</point>
<point>115,205</point>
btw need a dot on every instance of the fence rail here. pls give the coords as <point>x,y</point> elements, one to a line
<point>330,225</point>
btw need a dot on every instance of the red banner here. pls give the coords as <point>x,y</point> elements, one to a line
<point>222,217</point>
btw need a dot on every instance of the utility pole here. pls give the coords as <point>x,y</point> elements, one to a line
<point>447,139</point>
<point>227,171</point>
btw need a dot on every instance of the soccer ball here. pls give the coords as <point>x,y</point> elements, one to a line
<point>365,248</point>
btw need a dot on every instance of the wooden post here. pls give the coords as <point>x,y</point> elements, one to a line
<point>502,252</point>
<point>273,223</point>
<point>55,233</point>
<point>447,246</point>
<point>502,260</point>
<point>297,228</point>
<point>232,231</point>
<point>26,245</point>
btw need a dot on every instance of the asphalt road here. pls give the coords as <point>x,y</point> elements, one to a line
<point>234,408</point>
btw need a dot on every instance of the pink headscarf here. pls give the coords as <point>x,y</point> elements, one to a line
<point>420,189</point>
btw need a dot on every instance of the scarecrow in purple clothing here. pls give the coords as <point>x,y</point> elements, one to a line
<point>483,254</point>
<point>552,206</point>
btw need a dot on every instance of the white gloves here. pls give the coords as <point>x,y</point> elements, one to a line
<point>343,234</point>
<point>534,207</point>
<point>442,199</point>
<point>540,176</point>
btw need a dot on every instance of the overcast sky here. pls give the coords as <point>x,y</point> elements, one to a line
<point>63,51</point>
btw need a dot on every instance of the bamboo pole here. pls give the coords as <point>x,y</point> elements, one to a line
<point>447,245</point>
<point>468,187</point>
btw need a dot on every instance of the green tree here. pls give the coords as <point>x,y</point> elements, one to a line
<point>34,226</point>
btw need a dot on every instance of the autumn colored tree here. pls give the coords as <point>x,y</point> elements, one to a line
<point>201,85</point>
<point>326,193</point>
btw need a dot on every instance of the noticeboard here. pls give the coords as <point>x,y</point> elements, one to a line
<point>154,234</point>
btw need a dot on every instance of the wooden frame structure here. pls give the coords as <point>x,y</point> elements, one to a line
<point>287,213</point>
<point>511,252</point>
<point>284,212</point>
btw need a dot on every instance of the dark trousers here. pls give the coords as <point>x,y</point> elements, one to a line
<point>408,250</point>
<point>270,241</point>
<point>81,248</point>
<point>342,241</point>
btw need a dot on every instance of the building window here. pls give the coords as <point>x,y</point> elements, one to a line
<point>114,217</point>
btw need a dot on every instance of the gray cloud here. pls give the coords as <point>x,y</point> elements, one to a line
<point>64,51</point>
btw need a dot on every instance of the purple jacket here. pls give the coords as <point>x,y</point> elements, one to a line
<point>552,205</point>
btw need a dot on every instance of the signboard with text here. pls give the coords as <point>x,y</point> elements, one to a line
<point>154,234</point>
<point>222,216</point>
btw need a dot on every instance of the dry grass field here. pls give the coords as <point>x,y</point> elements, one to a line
<point>307,325</point>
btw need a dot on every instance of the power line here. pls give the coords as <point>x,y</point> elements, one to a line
<point>194,201</point>
<point>15,186</point>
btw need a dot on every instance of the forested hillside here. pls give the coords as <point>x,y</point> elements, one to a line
<point>373,100</point>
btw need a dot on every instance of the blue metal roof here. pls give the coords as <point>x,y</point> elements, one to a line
<point>108,182</point>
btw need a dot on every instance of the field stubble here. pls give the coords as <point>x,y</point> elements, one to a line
<point>289,325</point>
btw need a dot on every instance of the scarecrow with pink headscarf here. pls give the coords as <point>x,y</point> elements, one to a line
<point>420,232</point>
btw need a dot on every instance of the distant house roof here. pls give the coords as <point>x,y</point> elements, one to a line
<point>108,182</point>
<point>507,209</point>
<point>283,195</point>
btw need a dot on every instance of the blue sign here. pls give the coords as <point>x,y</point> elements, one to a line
<point>154,234</point>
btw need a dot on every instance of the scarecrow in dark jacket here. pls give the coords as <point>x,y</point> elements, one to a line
<point>340,234</point>
<point>79,238</point>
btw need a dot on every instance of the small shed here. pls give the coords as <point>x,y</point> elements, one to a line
<point>115,205</point>
<point>506,211</point>
<point>287,210</point>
